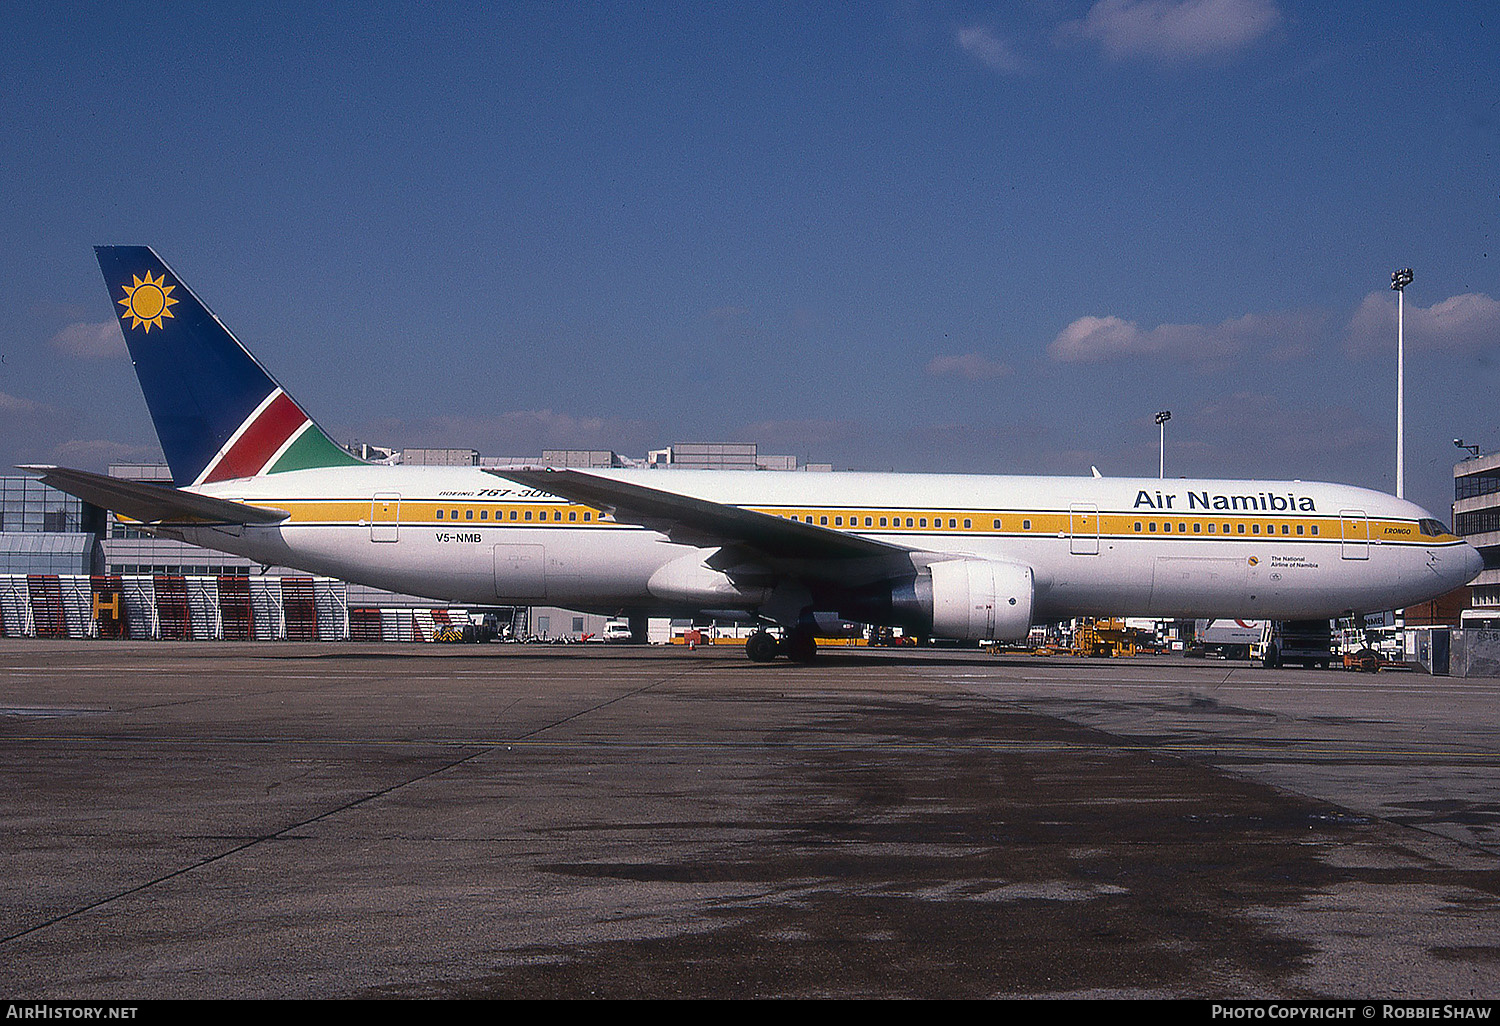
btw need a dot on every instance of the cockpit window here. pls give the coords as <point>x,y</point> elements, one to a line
<point>1433,528</point>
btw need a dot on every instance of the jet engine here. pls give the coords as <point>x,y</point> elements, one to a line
<point>963,599</point>
<point>980,599</point>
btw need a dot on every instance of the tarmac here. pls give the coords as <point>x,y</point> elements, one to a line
<point>257,820</point>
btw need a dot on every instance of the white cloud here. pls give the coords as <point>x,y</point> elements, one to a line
<point>13,406</point>
<point>990,50</point>
<point>1250,422</point>
<point>91,341</point>
<point>1174,29</point>
<point>98,453</point>
<point>801,434</point>
<point>969,366</point>
<point>29,430</point>
<point>1465,322</point>
<point>1279,336</point>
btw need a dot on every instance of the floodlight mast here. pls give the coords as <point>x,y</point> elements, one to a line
<point>1161,422</point>
<point>1399,280</point>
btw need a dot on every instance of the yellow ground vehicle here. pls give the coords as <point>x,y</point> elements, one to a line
<point>1104,638</point>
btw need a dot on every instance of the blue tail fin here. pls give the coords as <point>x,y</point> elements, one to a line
<point>218,414</point>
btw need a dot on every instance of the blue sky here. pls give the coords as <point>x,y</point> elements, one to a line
<point>987,237</point>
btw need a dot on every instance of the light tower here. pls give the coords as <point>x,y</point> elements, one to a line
<point>1161,422</point>
<point>1399,281</point>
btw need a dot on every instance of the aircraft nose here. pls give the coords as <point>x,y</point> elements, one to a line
<point>1472,563</point>
<point>1458,565</point>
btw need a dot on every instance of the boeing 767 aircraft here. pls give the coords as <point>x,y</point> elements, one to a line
<point>953,556</point>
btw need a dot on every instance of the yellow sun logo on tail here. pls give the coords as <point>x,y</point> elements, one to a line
<point>148,301</point>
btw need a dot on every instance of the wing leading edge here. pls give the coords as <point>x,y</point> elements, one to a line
<point>700,522</point>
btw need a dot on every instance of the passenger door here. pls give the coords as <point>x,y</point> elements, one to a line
<point>1354,528</point>
<point>1083,529</point>
<point>385,517</point>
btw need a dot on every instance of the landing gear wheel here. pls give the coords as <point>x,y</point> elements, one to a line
<point>801,647</point>
<point>761,647</point>
<point>1367,660</point>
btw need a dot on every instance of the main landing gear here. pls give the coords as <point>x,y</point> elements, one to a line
<point>761,647</point>
<point>799,646</point>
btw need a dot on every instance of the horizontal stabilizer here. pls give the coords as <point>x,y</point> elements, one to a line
<point>154,504</point>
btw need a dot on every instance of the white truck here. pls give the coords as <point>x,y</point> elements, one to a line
<point>616,631</point>
<point>1309,642</point>
<point>1225,639</point>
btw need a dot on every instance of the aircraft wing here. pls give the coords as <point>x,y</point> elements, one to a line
<point>154,504</point>
<point>694,521</point>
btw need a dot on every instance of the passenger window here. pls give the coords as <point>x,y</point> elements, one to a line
<point>838,521</point>
<point>1255,529</point>
<point>1240,528</point>
<point>1026,525</point>
<point>440,514</point>
<point>513,514</point>
<point>1299,528</point>
<point>922,522</point>
<point>484,514</point>
<point>572,515</point>
<point>1153,525</point>
<point>528,514</point>
<point>822,521</point>
<point>468,514</point>
<point>1138,526</point>
<point>968,523</point>
<point>882,522</point>
<point>1314,528</point>
<point>909,522</point>
<point>869,521</point>
<point>1210,528</point>
<point>1182,528</point>
<point>1167,526</point>
<point>997,525</point>
<point>1197,528</point>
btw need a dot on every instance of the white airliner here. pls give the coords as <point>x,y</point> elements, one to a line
<point>954,556</point>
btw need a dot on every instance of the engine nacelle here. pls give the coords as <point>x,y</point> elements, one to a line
<point>981,600</point>
<point>963,599</point>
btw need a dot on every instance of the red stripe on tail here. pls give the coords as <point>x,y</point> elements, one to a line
<point>260,441</point>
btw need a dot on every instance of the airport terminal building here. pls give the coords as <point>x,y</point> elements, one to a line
<point>1476,517</point>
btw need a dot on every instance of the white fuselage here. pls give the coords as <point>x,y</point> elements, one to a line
<point>1278,550</point>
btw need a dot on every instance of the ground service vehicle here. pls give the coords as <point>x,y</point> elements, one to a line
<point>1227,639</point>
<point>1309,642</point>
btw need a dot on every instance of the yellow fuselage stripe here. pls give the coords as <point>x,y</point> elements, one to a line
<point>1011,523</point>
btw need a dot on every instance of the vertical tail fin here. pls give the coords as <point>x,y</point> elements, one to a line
<point>218,414</point>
